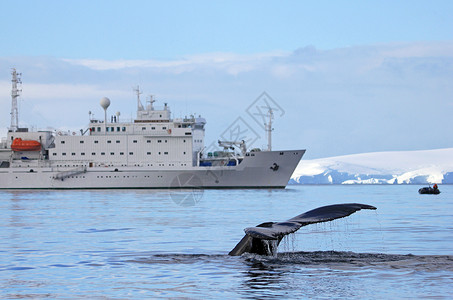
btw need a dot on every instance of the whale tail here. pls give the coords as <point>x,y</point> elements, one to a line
<point>264,238</point>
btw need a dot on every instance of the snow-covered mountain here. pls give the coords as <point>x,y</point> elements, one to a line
<point>398,167</point>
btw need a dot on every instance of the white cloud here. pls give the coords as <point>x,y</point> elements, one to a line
<point>408,50</point>
<point>231,63</point>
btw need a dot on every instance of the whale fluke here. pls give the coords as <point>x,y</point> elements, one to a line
<point>259,239</point>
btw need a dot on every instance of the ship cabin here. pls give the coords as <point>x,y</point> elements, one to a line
<point>153,139</point>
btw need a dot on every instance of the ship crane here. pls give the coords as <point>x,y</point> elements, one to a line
<point>231,145</point>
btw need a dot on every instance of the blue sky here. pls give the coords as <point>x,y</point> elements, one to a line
<point>171,29</point>
<point>351,76</point>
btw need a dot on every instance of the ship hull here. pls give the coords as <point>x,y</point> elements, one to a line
<point>255,171</point>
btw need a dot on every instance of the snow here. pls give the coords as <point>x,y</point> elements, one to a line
<point>396,167</point>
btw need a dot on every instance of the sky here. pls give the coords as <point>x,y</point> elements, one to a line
<point>344,77</point>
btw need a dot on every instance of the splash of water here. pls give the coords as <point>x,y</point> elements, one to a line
<point>271,247</point>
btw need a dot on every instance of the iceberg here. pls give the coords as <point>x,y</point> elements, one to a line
<point>393,167</point>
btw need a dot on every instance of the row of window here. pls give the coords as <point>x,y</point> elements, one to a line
<point>120,129</point>
<point>118,141</point>
<point>135,165</point>
<point>111,153</point>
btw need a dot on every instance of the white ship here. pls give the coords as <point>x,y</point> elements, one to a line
<point>152,151</point>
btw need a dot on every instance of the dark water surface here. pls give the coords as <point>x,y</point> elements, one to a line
<point>129,244</point>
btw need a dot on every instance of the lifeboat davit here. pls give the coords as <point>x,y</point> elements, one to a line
<point>25,145</point>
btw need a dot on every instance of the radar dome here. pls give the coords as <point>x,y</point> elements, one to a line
<point>105,102</point>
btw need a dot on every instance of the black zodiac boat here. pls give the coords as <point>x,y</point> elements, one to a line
<point>429,190</point>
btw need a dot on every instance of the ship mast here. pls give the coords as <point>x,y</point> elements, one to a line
<point>15,93</point>
<point>268,128</point>
<point>139,103</point>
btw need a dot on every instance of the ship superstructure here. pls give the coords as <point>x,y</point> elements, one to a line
<point>151,151</point>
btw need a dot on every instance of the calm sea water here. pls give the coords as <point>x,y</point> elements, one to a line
<point>125,244</point>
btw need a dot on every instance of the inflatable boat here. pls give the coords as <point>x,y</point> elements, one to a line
<point>429,190</point>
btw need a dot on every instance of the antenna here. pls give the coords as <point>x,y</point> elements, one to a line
<point>269,129</point>
<point>139,103</point>
<point>151,101</point>
<point>15,93</point>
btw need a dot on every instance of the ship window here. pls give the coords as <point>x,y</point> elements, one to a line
<point>159,141</point>
<point>112,153</point>
<point>135,141</point>
<point>153,128</point>
<point>118,129</point>
<point>123,129</point>
<point>72,153</point>
<point>102,153</point>
<point>81,142</point>
<point>143,128</point>
<point>54,154</point>
<point>131,153</point>
<point>165,153</point>
<point>64,153</point>
<point>165,141</point>
<point>83,153</point>
<point>117,142</point>
<point>148,153</point>
<point>121,153</point>
<point>62,142</point>
<point>107,129</point>
<point>109,142</point>
<point>99,129</point>
<point>148,141</point>
<point>96,142</point>
<point>164,127</point>
<point>184,152</point>
<point>184,141</point>
<point>159,153</point>
<point>93,153</point>
<point>112,129</point>
<point>188,133</point>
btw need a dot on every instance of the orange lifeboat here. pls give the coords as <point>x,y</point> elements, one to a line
<point>25,145</point>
